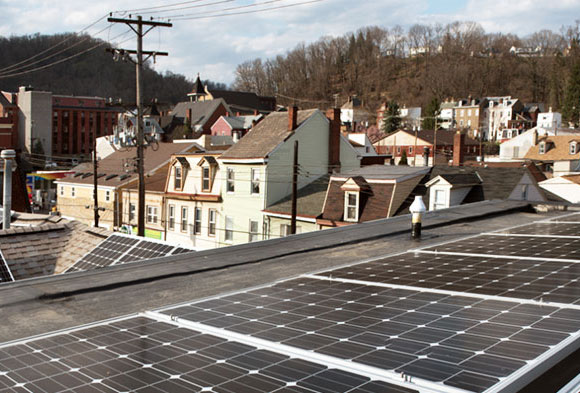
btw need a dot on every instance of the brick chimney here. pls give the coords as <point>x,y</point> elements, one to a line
<point>292,118</point>
<point>188,115</point>
<point>458,148</point>
<point>333,140</point>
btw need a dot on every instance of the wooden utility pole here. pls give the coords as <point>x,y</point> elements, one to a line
<point>139,23</point>
<point>95,183</point>
<point>434,143</point>
<point>294,190</point>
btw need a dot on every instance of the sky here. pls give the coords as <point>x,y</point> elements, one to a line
<point>213,47</point>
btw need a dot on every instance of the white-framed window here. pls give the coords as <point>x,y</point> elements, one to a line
<point>398,149</point>
<point>72,192</point>
<point>211,222</point>
<point>542,148</point>
<point>61,190</point>
<point>285,230</point>
<point>351,206</point>
<point>410,150</point>
<point>477,112</point>
<point>205,178</point>
<point>108,196</point>
<point>197,221</point>
<point>151,214</point>
<point>469,123</point>
<point>255,187</point>
<point>178,177</point>
<point>440,200</point>
<point>230,180</point>
<point>254,231</point>
<point>183,218</point>
<point>469,112</point>
<point>132,209</point>
<point>171,217</point>
<point>229,229</point>
<point>573,147</point>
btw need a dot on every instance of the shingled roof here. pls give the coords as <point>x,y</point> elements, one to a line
<point>112,169</point>
<point>265,136</point>
<point>557,149</point>
<point>35,251</point>
<point>201,111</point>
<point>309,201</point>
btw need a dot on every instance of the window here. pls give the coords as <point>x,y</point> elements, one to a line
<point>151,214</point>
<point>205,174</point>
<point>573,148</point>
<point>469,112</point>
<point>524,192</point>
<point>542,149</point>
<point>469,123</point>
<point>254,231</point>
<point>477,112</point>
<point>108,196</point>
<point>132,212</point>
<point>171,217</point>
<point>178,177</point>
<point>229,234</point>
<point>183,219</point>
<point>351,206</point>
<point>197,221</point>
<point>285,230</point>
<point>61,190</point>
<point>410,150</point>
<point>230,180</point>
<point>72,192</point>
<point>440,202</point>
<point>255,181</point>
<point>398,149</point>
<point>212,221</point>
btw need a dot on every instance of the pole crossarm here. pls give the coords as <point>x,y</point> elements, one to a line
<point>142,22</point>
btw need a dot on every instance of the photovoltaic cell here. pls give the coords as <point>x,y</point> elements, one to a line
<point>143,355</point>
<point>460,341</point>
<point>547,281</point>
<point>569,218</point>
<point>118,249</point>
<point>547,228</point>
<point>5,273</point>
<point>528,246</point>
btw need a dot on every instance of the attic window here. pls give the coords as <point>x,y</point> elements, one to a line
<point>542,149</point>
<point>206,178</point>
<point>351,203</point>
<point>178,177</point>
<point>573,147</point>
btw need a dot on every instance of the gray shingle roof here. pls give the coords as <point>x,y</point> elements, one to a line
<point>200,111</point>
<point>310,200</point>
<point>265,136</point>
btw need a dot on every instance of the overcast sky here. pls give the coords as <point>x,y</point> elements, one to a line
<point>214,47</point>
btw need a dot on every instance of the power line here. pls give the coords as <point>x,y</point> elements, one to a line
<point>249,12</point>
<point>188,7</point>
<point>158,7</point>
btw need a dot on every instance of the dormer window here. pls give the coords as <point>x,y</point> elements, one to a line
<point>205,179</point>
<point>351,203</point>
<point>573,147</point>
<point>178,177</point>
<point>208,166</point>
<point>542,148</point>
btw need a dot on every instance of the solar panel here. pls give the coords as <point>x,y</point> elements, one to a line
<point>461,341</point>
<point>5,273</point>
<point>141,354</point>
<point>547,228</point>
<point>541,280</point>
<point>516,246</point>
<point>568,218</point>
<point>120,249</point>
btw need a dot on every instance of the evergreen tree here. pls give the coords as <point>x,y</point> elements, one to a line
<point>403,158</point>
<point>431,113</point>
<point>391,118</point>
<point>571,110</point>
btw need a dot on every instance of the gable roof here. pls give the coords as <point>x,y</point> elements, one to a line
<point>559,149</point>
<point>241,122</point>
<point>461,179</point>
<point>266,135</point>
<point>201,111</point>
<point>154,182</point>
<point>35,251</point>
<point>310,200</point>
<point>245,100</point>
<point>111,170</point>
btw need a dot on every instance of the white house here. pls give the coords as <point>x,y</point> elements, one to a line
<point>361,143</point>
<point>549,121</point>
<point>258,169</point>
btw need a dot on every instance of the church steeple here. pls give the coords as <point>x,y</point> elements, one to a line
<point>198,90</point>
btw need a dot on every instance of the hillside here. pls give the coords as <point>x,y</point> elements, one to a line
<point>93,73</point>
<point>414,66</point>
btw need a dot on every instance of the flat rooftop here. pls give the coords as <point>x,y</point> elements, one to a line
<point>488,300</point>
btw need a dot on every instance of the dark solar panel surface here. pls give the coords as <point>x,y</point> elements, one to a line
<point>5,275</point>
<point>547,281</point>
<point>570,218</point>
<point>461,341</point>
<point>547,229</point>
<point>117,249</point>
<point>143,355</point>
<point>521,246</point>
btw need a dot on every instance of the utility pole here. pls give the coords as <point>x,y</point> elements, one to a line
<point>435,142</point>
<point>294,190</point>
<point>139,22</point>
<point>95,189</point>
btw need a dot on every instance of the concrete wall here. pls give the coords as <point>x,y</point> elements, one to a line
<point>35,120</point>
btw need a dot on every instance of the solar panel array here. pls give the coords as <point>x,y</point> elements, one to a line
<point>5,273</point>
<point>449,318</point>
<point>119,249</point>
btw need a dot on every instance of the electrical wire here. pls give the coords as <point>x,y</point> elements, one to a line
<point>158,7</point>
<point>249,12</point>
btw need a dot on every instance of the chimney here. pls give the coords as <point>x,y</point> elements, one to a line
<point>188,115</point>
<point>256,113</point>
<point>458,148</point>
<point>333,140</point>
<point>535,138</point>
<point>292,118</point>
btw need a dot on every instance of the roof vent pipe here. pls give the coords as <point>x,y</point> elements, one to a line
<point>7,156</point>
